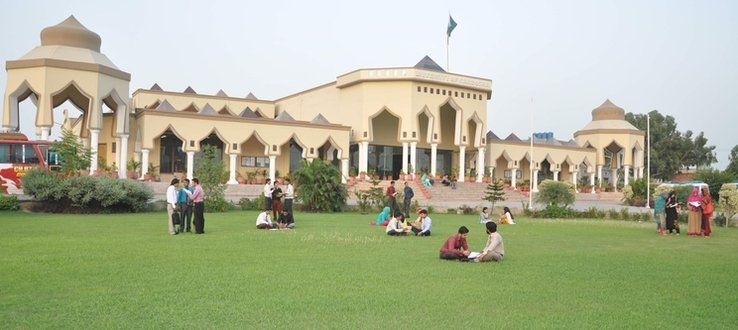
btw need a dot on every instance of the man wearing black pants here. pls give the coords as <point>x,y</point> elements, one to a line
<point>289,196</point>
<point>198,197</point>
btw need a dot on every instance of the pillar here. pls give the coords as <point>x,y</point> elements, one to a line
<point>462,160</point>
<point>574,179</point>
<point>94,138</point>
<point>599,174</point>
<point>190,164</point>
<point>144,162</point>
<point>614,178</point>
<point>232,169</point>
<point>514,177</point>
<point>556,175</point>
<point>363,156</point>
<point>45,131</point>
<point>626,177</point>
<point>640,172</point>
<point>122,155</point>
<point>273,166</point>
<point>405,157</point>
<point>480,164</point>
<point>592,181</point>
<point>434,150</point>
<point>413,157</point>
<point>344,169</point>
<point>535,181</point>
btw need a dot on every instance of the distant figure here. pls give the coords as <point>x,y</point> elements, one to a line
<point>407,198</point>
<point>391,197</point>
<point>268,190</point>
<point>395,226</point>
<point>658,212</point>
<point>423,224</point>
<point>484,216</point>
<point>263,221</point>
<point>172,204</point>
<point>455,247</point>
<point>454,182</point>
<point>445,180</point>
<point>707,209</point>
<point>198,199</point>
<point>494,250</point>
<point>285,221</point>
<point>672,213</point>
<point>694,218</point>
<point>383,217</point>
<point>426,180</point>
<point>289,196</point>
<point>507,217</point>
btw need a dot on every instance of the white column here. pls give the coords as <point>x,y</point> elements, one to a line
<point>462,160</point>
<point>122,155</point>
<point>614,178</point>
<point>190,164</point>
<point>626,171</point>
<point>94,138</point>
<point>405,157</point>
<point>599,175</point>
<point>592,181</point>
<point>574,179</point>
<point>514,177</point>
<point>144,163</point>
<point>434,150</point>
<point>535,181</point>
<point>273,166</point>
<point>363,156</point>
<point>45,132</point>
<point>556,175</point>
<point>413,151</point>
<point>480,164</point>
<point>232,169</point>
<point>344,170</point>
<point>640,172</point>
<point>491,173</point>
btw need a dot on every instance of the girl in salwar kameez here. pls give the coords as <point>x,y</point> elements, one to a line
<point>694,217</point>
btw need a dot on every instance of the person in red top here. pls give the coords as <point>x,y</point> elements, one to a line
<point>455,247</point>
<point>391,201</point>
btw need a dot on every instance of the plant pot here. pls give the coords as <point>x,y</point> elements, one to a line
<point>132,175</point>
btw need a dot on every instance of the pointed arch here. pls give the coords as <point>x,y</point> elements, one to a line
<point>169,128</point>
<point>476,140</point>
<point>20,94</point>
<point>80,99</point>
<point>380,113</point>
<point>120,107</point>
<point>254,134</point>
<point>425,135</point>
<point>214,131</point>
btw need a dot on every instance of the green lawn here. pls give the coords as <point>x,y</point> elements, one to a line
<point>335,271</point>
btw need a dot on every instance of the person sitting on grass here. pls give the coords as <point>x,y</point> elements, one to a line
<point>395,227</point>
<point>495,249</point>
<point>424,227</point>
<point>484,216</point>
<point>383,217</point>
<point>455,247</point>
<point>284,220</point>
<point>263,221</point>
<point>507,217</point>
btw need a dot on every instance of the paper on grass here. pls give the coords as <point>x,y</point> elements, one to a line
<point>474,255</point>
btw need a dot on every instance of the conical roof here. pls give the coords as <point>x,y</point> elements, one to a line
<point>156,87</point>
<point>319,119</point>
<point>429,64</point>
<point>221,93</point>
<point>251,96</point>
<point>72,33</point>
<point>608,111</point>
<point>608,116</point>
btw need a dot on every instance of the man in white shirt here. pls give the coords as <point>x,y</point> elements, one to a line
<point>394,227</point>
<point>172,204</point>
<point>268,190</point>
<point>289,197</point>
<point>495,249</point>
<point>263,221</point>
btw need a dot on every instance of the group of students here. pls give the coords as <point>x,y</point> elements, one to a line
<point>506,218</point>
<point>399,226</point>
<point>700,210</point>
<point>182,203</point>
<point>457,248</point>
<point>275,209</point>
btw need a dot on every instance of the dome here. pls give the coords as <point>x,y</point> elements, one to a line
<point>70,33</point>
<point>608,111</point>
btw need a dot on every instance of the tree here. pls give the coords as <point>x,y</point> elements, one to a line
<point>728,201</point>
<point>672,149</point>
<point>494,193</point>
<point>318,185</point>
<point>73,156</point>
<point>210,170</point>
<point>715,179</point>
<point>553,193</point>
<point>733,162</point>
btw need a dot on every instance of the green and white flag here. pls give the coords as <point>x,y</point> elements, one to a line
<point>451,26</point>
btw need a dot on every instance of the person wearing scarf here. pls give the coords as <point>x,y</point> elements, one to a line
<point>707,209</point>
<point>694,218</point>
<point>383,217</point>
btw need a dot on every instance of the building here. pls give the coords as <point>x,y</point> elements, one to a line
<point>388,121</point>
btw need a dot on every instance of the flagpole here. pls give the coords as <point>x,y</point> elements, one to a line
<point>447,67</point>
<point>530,182</point>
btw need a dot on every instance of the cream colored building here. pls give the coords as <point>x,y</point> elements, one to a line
<point>418,119</point>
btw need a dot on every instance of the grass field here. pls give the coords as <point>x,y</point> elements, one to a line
<point>335,271</point>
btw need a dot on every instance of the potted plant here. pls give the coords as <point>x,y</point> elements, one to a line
<point>152,174</point>
<point>239,178</point>
<point>132,169</point>
<point>362,175</point>
<point>487,174</point>
<point>251,177</point>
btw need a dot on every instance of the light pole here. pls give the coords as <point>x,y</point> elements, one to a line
<point>648,162</point>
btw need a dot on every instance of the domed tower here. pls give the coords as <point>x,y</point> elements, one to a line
<point>68,66</point>
<point>619,144</point>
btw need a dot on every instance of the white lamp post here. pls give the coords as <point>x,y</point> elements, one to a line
<point>648,162</point>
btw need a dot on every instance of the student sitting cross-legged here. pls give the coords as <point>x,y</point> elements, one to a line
<point>495,249</point>
<point>455,247</point>
<point>395,226</point>
<point>263,221</point>
<point>422,226</point>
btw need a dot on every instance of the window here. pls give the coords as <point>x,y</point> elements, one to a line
<point>456,94</point>
<point>425,89</point>
<point>418,88</point>
<point>253,161</point>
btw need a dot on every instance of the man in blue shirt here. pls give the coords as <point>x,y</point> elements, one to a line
<point>425,224</point>
<point>408,195</point>
<point>185,206</point>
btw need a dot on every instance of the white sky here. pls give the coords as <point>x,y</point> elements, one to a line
<point>676,56</point>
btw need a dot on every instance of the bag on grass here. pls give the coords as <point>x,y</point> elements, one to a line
<point>175,218</point>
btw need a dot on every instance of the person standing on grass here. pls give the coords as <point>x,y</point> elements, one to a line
<point>707,209</point>
<point>268,189</point>
<point>694,218</point>
<point>172,204</point>
<point>659,213</point>
<point>185,207</point>
<point>289,197</point>
<point>425,224</point>
<point>455,247</point>
<point>672,213</point>
<point>263,221</point>
<point>494,250</point>
<point>391,201</point>
<point>407,198</point>
<point>276,200</point>
<point>395,227</point>
<point>198,199</point>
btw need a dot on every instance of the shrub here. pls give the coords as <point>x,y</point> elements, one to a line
<point>555,193</point>
<point>601,214</point>
<point>9,202</point>
<point>613,214</point>
<point>624,214</point>
<point>646,216</point>
<point>211,173</point>
<point>42,185</point>
<point>73,155</point>
<point>318,183</point>
<point>591,212</point>
<point>556,212</point>
<point>728,200</point>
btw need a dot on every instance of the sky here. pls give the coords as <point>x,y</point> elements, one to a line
<point>550,62</point>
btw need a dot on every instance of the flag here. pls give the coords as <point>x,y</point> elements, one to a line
<point>451,26</point>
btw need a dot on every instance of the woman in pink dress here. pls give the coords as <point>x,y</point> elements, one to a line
<point>694,218</point>
<point>707,209</point>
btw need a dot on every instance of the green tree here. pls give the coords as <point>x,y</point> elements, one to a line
<point>494,193</point>
<point>714,178</point>
<point>318,184</point>
<point>672,149</point>
<point>555,193</point>
<point>733,164</point>
<point>210,170</point>
<point>728,201</point>
<point>73,155</point>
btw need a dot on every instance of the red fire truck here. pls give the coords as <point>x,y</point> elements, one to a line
<point>17,156</point>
